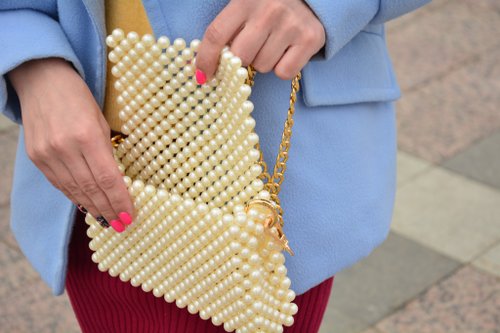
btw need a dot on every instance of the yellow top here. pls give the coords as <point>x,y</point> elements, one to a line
<point>129,15</point>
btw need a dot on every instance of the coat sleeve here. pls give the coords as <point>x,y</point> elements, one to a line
<point>344,19</point>
<point>26,34</point>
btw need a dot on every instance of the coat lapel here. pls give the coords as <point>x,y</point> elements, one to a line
<point>95,8</point>
<point>96,12</point>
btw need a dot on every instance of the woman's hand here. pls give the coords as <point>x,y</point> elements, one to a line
<point>279,35</point>
<point>68,139</point>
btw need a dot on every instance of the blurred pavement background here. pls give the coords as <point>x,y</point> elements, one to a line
<point>439,270</point>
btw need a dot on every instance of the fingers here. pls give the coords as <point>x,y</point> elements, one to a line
<point>269,34</point>
<point>68,139</point>
<point>84,187</point>
<point>77,182</point>
<point>248,42</point>
<point>291,63</point>
<point>217,36</point>
<point>109,180</point>
<point>70,165</point>
<point>272,51</point>
<point>67,184</point>
<point>51,176</point>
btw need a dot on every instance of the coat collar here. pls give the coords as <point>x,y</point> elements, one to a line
<point>96,10</point>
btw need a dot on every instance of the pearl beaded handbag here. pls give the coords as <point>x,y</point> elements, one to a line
<point>208,232</point>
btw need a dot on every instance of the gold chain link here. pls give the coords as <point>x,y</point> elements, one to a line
<point>273,183</point>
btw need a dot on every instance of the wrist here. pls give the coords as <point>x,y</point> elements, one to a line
<point>30,76</point>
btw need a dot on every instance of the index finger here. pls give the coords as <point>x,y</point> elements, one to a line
<point>216,37</point>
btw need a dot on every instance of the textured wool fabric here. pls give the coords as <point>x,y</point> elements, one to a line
<point>344,19</point>
<point>103,303</point>
<point>339,186</point>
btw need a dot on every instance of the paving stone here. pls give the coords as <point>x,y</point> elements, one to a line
<point>32,308</point>
<point>448,115</point>
<point>372,330</point>
<point>409,167</point>
<point>393,25</point>
<point>491,4</point>
<point>490,261</point>
<point>480,161</point>
<point>468,301</point>
<point>6,235</point>
<point>16,271</point>
<point>433,44</point>
<point>8,145</point>
<point>336,321</point>
<point>393,274</point>
<point>448,213</point>
<point>6,123</point>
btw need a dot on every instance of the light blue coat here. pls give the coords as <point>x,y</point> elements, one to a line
<point>339,186</point>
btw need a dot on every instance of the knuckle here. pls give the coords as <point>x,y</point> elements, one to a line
<point>310,36</point>
<point>106,181</point>
<point>72,187</point>
<point>290,27</point>
<point>40,153</point>
<point>57,143</point>
<point>33,153</point>
<point>213,33</point>
<point>82,137</point>
<point>90,187</point>
<point>275,10</point>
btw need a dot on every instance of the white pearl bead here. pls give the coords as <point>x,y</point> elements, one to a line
<point>110,41</point>
<point>171,52</point>
<point>133,37</point>
<point>147,40</point>
<point>118,34</point>
<point>163,42</point>
<point>195,43</point>
<point>179,44</point>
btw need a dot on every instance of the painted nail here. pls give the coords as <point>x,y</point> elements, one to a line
<point>82,209</point>
<point>102,221</point>
<point>117,225</point>
<point>125,218</point>
<point>201,78</point>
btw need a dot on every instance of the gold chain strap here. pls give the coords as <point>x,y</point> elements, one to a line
<point>273,183</point>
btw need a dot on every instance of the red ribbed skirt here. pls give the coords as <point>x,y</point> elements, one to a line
<point>103,303</point>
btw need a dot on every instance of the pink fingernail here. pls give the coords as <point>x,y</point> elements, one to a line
<point>117,225</point>
<point>201,78</point>
<point>125,218</point>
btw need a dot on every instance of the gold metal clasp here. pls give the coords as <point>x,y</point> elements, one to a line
<point>272,220</point>
<point>117,139</point>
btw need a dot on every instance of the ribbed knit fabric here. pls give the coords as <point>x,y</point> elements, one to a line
<point>105,304</point>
